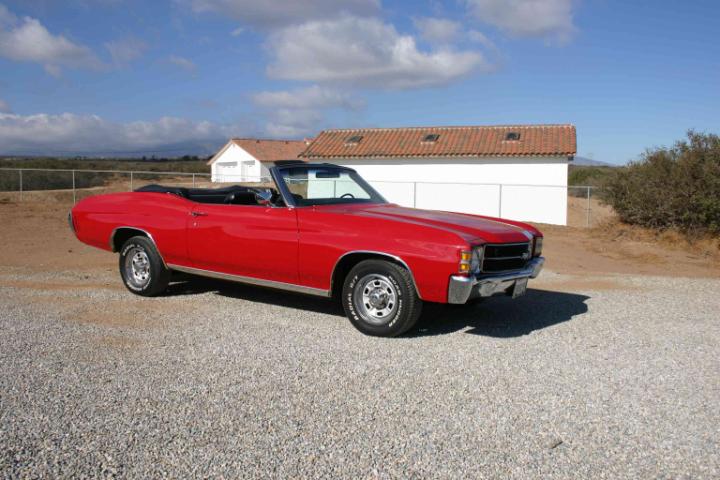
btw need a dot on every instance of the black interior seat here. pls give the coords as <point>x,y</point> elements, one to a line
<point>240,198</point>
<point>232,195</point>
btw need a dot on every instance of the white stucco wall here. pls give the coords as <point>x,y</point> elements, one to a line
<point>533,188</point>
<point>229,167</point>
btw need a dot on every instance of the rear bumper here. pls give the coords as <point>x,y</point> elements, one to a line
<point>462,289</point>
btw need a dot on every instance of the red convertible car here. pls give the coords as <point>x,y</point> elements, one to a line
<point>322,230</point>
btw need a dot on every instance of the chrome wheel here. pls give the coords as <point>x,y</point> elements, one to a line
<point>137,268</point>
<point>376,298</point>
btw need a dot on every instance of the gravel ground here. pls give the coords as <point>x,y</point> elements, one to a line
<point>614,379</point>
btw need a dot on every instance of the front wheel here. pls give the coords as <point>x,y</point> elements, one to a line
<point>380,299</point>
<point>142,268</point>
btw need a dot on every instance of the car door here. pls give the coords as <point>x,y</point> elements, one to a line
<point>247,240</point>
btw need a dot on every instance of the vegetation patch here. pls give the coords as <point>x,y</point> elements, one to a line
<point>670,188</point>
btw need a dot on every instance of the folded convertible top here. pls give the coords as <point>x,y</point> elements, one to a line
<point>204,195</point>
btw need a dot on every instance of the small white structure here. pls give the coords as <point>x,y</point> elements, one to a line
<point>249,159</point>
<point>516,172</point>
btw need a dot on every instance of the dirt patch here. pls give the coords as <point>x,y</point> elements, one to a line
<point>37,236</point>
<point>580,251</point>
<point>130,312</point>
<point>583,213</point>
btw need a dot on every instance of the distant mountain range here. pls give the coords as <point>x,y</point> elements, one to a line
<point>589,162</point>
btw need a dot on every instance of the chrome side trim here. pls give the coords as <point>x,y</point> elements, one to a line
<point>461,288</point>
<point>251,280</point>
<point>373,252</point>
<point>148,234</point>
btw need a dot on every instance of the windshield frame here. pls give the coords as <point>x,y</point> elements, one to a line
<point>277,175</point>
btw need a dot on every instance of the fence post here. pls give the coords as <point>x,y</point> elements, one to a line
<point>74,197</point>
<point>414,194</point>
<point>193,176</point>
<point>21,189</point>
<point>131,181</point>
<point>500,200</point>
<point>587,221</point>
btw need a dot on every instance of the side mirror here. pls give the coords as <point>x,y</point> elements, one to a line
<point>263,198</point>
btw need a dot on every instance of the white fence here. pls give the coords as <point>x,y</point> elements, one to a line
<point>574,205</point>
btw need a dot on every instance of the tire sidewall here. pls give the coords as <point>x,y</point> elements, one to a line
<point>396,324</point>
<point>156,267</point>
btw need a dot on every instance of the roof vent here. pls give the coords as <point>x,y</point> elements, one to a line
<point>512,136</point>
<point>431,138</point>
<point>354,140</point>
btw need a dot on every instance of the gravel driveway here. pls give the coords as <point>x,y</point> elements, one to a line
<point>582,378</point>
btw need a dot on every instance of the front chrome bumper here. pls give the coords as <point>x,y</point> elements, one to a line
<point>462,289</point>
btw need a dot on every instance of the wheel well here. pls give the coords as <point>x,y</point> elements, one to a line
<point>347,262</point>
<point>122,235</point>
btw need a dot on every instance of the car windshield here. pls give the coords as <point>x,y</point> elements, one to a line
<point>328,186</point>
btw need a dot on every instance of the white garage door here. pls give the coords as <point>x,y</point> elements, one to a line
<point>226,171</point>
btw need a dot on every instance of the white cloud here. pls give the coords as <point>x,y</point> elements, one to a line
<point>274,13</point>
<point>293,123</point>
<point>551,19</point>
<point>237,32</point>
<point>309,97</point>
<point>438,30</point>
<point>182,62</point>
<point>126,50</point>
<point>299,112</point>
<point>4,106</point>
<point>6,17</point>
<point>364,51</point>
<point>27,40</point>
<point>71,133</point>
<point>481,38</point>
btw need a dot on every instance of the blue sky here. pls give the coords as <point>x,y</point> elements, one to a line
<point>104,76</point>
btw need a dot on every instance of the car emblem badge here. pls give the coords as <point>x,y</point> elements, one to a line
<point>525,255</point>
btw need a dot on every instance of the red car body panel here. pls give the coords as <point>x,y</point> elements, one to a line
<point>300,245</point>
<point>245,240</point>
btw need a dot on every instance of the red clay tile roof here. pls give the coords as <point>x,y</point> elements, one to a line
<point>452,142</point>
<point>271,150</point>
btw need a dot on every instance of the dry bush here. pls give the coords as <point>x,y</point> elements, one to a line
<point>671,188</point>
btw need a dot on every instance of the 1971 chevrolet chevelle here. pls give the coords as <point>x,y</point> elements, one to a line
<point>322,231</point>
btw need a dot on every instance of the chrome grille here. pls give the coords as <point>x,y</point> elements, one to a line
<point>503,257</point>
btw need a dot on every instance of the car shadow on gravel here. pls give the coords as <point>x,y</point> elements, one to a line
<point>189,285</point>
<point>502,316</point>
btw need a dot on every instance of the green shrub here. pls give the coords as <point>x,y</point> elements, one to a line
<point>587,175</point>
<point>677,187</point>
<point>584,176</point>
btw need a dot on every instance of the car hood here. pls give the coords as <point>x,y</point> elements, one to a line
<point>470,227</point>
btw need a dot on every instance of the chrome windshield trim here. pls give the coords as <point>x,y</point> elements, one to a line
<point>251,280</point>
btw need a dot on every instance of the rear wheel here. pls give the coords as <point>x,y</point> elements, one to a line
<point>142,268</point>
<point>379,298</point>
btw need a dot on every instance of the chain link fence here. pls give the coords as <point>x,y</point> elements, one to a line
<point>581,206</point>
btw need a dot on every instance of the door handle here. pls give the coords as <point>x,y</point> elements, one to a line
<point>198,214</point>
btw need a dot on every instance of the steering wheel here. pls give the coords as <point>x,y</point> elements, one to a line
<point>347,195</point>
